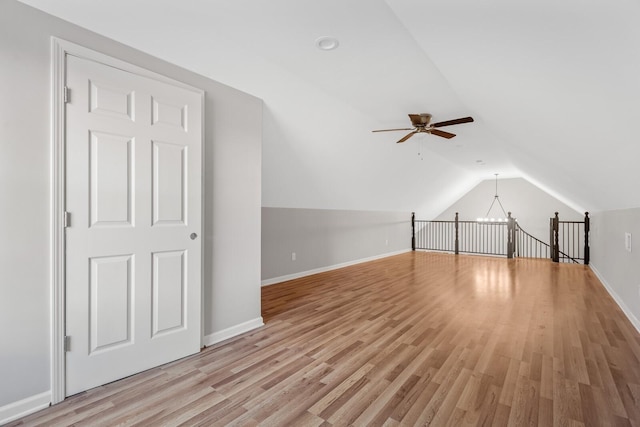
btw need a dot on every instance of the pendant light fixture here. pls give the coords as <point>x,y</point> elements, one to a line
<point>496,198</point>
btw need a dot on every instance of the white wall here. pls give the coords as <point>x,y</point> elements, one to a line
<point>529,204</point>
<point>618,269</point>
<point>323,238</point>
<point>232,196</point>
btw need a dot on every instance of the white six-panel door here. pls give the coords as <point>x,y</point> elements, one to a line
<point>133,250</point>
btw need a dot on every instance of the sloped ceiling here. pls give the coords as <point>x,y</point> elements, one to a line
<point>554,88</point>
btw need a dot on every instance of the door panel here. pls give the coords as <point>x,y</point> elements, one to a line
<point>111,291</point>
<point>133,188</point>
<point>111,100</point>
<point>166,112</point>
<point>169,291</point>
<point>111,179</point>
<point>170,165</point>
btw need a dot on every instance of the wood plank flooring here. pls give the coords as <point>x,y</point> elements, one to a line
<point>415,339</point>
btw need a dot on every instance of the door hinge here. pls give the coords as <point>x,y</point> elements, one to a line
<point>67,343</point>
<point>66,94</point>
<point>66,220</point>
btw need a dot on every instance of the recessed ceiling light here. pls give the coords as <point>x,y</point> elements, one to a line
<point>327,43</point>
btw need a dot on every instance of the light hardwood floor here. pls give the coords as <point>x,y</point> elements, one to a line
<point>419,338</point>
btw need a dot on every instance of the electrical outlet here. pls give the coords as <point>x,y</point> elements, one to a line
<point>293,256</point>
<point>386,242</point>
<point>627,241</point>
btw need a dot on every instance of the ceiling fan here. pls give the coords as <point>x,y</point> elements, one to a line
<point>422,124</point>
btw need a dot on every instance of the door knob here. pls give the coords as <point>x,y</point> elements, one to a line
<point>193,236</point>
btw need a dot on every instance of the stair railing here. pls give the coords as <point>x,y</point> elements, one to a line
<point>566,242</point>
<point>503,238</point>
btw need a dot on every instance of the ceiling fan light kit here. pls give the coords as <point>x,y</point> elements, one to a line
<point>422,124</point>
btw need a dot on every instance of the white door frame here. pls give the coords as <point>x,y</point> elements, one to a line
<point>59,49</point>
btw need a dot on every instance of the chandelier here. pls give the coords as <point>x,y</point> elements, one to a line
<point>496,198</point>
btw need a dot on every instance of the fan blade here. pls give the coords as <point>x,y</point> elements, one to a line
<point>442,133</point>
<point>389,130</point>
<point>453,122</point>
<point>407,136</point>
<point>420,119</point>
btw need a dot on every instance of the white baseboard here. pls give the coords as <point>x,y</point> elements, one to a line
<point>24,407</point>
<point>632,318</point>
<point>231,332</point>
<point>292,276</point>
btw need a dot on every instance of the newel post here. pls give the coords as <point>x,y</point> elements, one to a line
<point>555,245</point>
<point>413,231</point>
<point>587,226</point>
<point>457,245</point>
<point>510,236</point>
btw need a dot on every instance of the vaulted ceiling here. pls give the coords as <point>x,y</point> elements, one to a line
<point>554,88</point>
